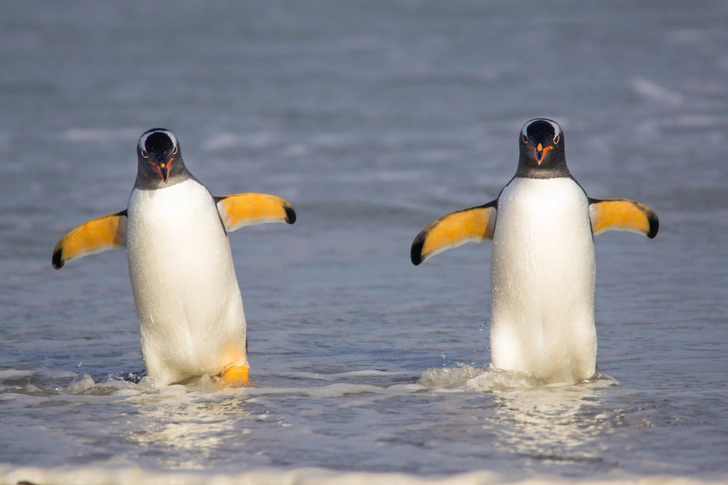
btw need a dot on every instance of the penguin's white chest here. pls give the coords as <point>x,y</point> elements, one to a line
<point>542,277</point>
<point>183,280</point>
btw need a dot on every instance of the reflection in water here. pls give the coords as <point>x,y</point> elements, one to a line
<point>545,424</point>
<point>551,424</point>
<point>188,430</point>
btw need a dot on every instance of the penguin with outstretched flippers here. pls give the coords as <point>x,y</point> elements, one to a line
<point>543,269</point>
<point>181,269</point>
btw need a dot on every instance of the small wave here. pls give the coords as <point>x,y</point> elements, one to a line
<point>85,384</point>
<point>469,378</point>
<point>330,391</point>
<point>651,90</point>
<point>339,390</point>
<point>101,135</point>
<point>696,121</point>
<point>224,141</point>
<point>465,378</point>
<point>11,374</point>
<point>15,374</point>
<point>304,476</point>
<point>369,373</point>
<point>314,376</point>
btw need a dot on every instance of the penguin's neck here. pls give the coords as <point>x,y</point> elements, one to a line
<point>556,169</point>
<point>146,181</point>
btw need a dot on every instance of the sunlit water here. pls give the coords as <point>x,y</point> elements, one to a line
<point>372,118</point>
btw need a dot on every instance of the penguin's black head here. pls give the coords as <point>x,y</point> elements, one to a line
<point>160,157</point>
<point>542,154</point>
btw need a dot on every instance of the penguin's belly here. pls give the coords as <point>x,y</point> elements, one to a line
<point>542,278</point>
<point>182,276</point>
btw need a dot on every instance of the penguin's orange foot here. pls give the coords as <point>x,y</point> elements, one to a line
<point>235,375</point>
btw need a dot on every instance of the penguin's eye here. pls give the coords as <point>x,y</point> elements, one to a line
<point>557,138</point>
<point>174,150</point>
<point>145,154</point>
<point>525,138</point>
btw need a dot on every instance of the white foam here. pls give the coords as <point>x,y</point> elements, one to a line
<point>472,379</point>
<point>15,374</point>
<point>465,378</point>
<point>306,476</point>
<point>80,384</point>
<point>84,384</point>
<point>469,378</point>
<point>47,373</point>
<point>499,380</point>
<point>448,377</point>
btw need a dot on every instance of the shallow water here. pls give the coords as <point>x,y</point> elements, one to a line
<point>373,119</point>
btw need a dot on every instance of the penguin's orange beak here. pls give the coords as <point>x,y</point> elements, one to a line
<point>163,169</point>
<point>540,152</point>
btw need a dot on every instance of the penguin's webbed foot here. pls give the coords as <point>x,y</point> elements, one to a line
<point>235,375</point>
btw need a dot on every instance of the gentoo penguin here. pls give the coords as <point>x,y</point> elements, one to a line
<point>181,269</point>
<point>542,270</point>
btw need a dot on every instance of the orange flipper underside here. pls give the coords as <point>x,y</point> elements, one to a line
<point>240,210</point>
<point>622,215</point>
<point>94,236</point>
<point>454,229</point>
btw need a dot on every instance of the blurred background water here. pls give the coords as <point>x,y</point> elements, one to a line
<point>372,118</point>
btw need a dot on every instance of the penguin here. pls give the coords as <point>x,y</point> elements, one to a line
<point>543,267</point>
<point>186,293</point>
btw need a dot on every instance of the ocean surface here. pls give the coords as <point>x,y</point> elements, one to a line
<point>373,118</point>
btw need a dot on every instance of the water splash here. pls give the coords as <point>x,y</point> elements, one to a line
<point>469,378</point>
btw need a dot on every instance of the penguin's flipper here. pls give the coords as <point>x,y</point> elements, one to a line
<point>240,210</point>
<point>622,215</point>
<point>453,230</point>
<point>94,236</point>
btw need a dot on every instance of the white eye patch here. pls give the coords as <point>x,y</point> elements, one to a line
<point>554,125</point>
<point>143,139</point>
